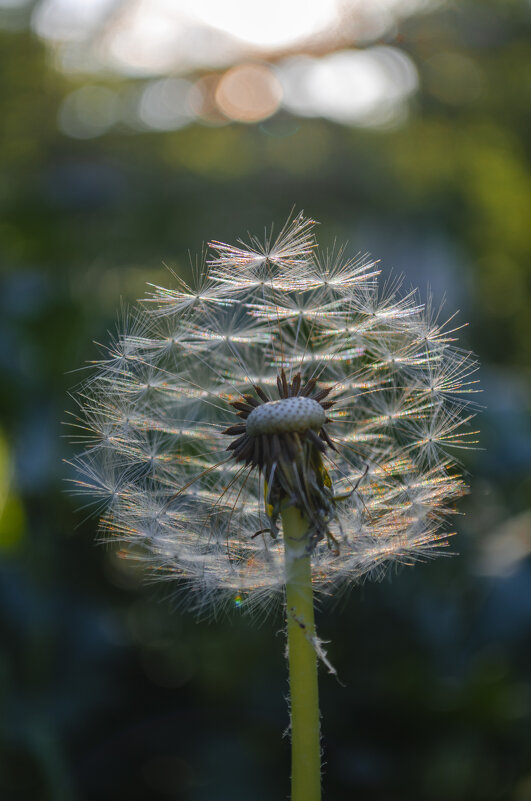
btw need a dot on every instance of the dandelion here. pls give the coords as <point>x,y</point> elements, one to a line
<point>281,427</point>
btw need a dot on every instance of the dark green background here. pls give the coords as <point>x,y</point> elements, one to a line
<point>107,690</point>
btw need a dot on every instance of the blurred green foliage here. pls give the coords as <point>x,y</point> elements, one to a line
<point>106,690</point>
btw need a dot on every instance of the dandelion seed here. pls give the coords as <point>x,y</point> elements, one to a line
<point>284,425</point>
<point>278,378</point>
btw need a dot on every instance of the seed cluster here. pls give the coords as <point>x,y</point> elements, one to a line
<point>350,400</point>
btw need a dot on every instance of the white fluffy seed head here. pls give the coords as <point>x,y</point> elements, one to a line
<point>288,414</point>
<point>152,418</point>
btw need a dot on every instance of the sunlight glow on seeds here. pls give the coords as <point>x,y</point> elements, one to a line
<point>288,414</point>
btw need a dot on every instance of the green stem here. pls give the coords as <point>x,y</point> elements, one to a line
<point>302,658</point>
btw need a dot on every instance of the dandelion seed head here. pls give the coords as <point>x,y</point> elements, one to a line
<point>280,376</point>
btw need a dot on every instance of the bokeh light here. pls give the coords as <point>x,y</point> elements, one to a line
<point>89,111</point>
<point>202,100</point>
<point>64,20</point>
<point>164,104</point>
<point>243,61</point>
<point>364,87</point>
<point>271,25</point>
<point>249,93</point>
